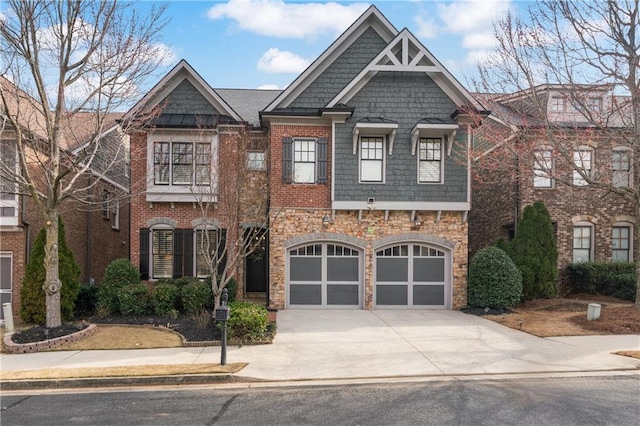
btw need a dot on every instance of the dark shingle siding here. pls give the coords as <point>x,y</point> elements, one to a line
<point>186,99</point>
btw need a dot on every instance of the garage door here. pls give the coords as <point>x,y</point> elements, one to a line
<point>324,275</point>
<point>411,275</point>
<point>6,272</point>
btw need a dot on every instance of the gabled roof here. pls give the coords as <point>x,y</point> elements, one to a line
<point>170,81</point>
<point>406,53</point>
<point>371,18</point>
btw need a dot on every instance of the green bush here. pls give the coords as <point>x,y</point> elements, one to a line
<point>196,297</point>
<point>247,321</point>
<point>117,275</point>
<point>232,287</point>
<point>32,296</point>
<point>134,299</point>
<point>494,280</point>
<point>535,253</point>
<point>165,298</point>
<point>87,300</point>
<point>606,278</point>
<point>183,281</point>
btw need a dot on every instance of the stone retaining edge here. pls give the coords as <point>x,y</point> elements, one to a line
<point>25,348</point>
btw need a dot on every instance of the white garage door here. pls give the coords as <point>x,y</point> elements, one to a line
<point>324,275</point>
<point>411,275</point>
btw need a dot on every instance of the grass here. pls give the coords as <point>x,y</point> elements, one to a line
<point>125,337</point>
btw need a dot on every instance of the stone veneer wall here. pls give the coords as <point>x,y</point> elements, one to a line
<point>289,222</point>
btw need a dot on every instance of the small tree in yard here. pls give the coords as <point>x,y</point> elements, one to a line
<point>32,297</point>
<point>534,252</point>
<point>65,66</point>
<point>494,280</point>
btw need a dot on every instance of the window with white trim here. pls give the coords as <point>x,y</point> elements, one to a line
<point>304,160</point>
<point>372,159</point>
<point>162,253</point>
<point>8,189</point>
<point>582,161</point>
<point>594,103</point>
<point>621,240</point>
<point>256,161</point>
<point>558,103</point>
<point>582,242</point>
<point>181,163</point>
<point>206,242</point>
<point>542,166</point>
<point>621,166</point>
<point>430,160</point>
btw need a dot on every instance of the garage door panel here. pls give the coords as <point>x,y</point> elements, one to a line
<point>428,270</point>
<point>387,294</point>
<point>342,269</point>
<point>392,270</point>
<point>306,269</point>
<point>428,295</point>
<point>305,294</point>
<point>342,294</point>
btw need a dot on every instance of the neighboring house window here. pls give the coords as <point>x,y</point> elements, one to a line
<point>558,103</point>
<point>371,159</point>
<point>304,160</point>
<point>594,104</point>
<point>8,189</point>
<point>542,167</point>
<point>175,163</point>
<point>621,165</point>
<point>582,160</point>
<point>106,198</point>
<point>206,241</point>
<point>256,161</point>
<point>115,214</point>
<point>430,160</point>
<point>162,253</point>
<point>621,243</point>
<point>582,242</point>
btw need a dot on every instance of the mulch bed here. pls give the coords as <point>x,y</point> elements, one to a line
<point>41,333</point>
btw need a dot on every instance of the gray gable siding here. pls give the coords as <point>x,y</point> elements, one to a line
<point>186,99</point>
<point>341,71</point>
<point>404,98</point>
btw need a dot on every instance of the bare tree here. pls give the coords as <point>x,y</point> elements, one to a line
<point>68,65</point>
<point>588,53</point>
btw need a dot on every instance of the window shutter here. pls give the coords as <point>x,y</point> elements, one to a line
<point>287,159</point>
<point>187,237</point>
<point>322,160</point>
<point>144,253</point>
<point>221,246</point>
<point>177,252</point>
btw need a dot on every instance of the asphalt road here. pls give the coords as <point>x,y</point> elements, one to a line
<point>577,401</point>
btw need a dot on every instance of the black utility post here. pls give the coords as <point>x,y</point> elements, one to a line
<point>222,315</point>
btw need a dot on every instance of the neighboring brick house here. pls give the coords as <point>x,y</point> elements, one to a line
<point>97,233</point>
<point>369,180</point>
<point>186,155</point>
<point>592,224</point>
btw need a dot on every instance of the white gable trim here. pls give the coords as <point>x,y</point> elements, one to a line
<point>422,61</point>
<point>372,17</point>
<point>170,81</point>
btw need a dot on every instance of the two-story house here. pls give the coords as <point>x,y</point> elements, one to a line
<point>370,182</point>
<point>569,148</point>
<point>97,227</point>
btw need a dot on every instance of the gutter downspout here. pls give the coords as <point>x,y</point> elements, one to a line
<point>88,259</point>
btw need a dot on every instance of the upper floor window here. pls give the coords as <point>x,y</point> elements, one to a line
<point>621,238</point>
<point>430,160</point>
<point>256,161</point>
<point>558,103</point>
<point>182,163</point>
<point>594,104</point>
<point>8,189</point>
<point>542,167</point>
<point>582,160</point>
<point>115,214</point>
<point>304,160</point>
<point>372,159</point>
<point>106,199</point>
<point>621,165</point>
<point>582,242</point>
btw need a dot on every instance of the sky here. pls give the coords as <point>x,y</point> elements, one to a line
<point>267,43</point>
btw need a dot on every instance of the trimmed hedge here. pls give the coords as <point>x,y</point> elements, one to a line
<point>494,280</point>
<point>134,299</point>
<point>165,299</point>
<point>616,279</point>
<point>117,275</point>
<point>247,321</point>
<point>87,300</point>
<point>196,297</point>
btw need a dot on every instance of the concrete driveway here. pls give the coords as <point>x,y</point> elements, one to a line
<point>323,344</point>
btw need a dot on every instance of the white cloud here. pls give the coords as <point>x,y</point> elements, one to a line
<point>280,61</point>
<point>478,56</point>
<point>165,55</point>
<point>269,87</point>
<point>469,16</point>
<point>479,40</point>
<point>276,18</point>
<point>426,27</point>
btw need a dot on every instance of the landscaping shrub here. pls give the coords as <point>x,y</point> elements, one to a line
<point>117,275</point>
<point>247,321</point>
<point>196,297</point>
<point>32,297</point>
<point>165,298</point>
<point>87,300</point>
<point>232,287</point>
<point>535,254</point>
<point>183,281</point>
<point>133,299</point>
<point>606,278</point>
<point>494,280</point>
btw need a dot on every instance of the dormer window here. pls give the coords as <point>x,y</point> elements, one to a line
<point>594,104</point>
<point>558,103</point>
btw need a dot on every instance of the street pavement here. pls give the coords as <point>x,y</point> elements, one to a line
<point>374,344</point>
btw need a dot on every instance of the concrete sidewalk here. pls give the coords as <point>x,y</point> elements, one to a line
<point>343,344</point>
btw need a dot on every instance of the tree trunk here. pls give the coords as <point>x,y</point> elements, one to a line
<point>637,253</point>
<point>52,284</point>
